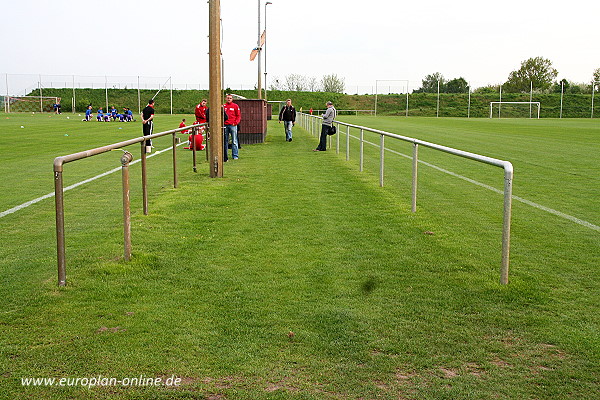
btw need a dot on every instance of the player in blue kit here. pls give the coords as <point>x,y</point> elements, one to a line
<point>88,114</point>
<point>113,113</point>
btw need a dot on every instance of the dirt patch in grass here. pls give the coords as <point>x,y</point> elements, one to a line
<point>449,372</point>
<point>405,377</point>
<point>116,329</point>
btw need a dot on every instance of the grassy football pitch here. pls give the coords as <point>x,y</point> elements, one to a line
<point>298,277</point>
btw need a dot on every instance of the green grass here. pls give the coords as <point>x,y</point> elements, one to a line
<point>292,240</point>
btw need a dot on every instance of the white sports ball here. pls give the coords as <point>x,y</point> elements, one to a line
<point>67,117</point>
<point>22,126</point>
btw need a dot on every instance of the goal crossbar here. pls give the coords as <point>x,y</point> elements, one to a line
<point>537,103</point>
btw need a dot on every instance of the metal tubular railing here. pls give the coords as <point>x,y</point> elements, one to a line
<point>306,120</point>
<point>125,160</point>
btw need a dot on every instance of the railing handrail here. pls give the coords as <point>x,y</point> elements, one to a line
<point>59,161</point>
<point>506,165</point>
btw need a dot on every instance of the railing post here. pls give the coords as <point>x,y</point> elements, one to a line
<point>414,176</point>
<point>381,152</point>
<point>60,228</point>
<point>125,160</point>
<point>362,148</point>
<point>144,179</point>
<point>174,160</point>
<point>337,140</point>
<point>508,178</point>
<point>347,142</point>
<point>193,144</point>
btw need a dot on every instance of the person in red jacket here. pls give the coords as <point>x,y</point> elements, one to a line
<point>234,116</point>
<point>199,139</point>
<point>201,112</point>
<point>182,125</point>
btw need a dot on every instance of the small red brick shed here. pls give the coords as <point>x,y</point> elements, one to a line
<point>253,126</point>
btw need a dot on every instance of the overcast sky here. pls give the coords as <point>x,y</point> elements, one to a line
<point>360,41</point>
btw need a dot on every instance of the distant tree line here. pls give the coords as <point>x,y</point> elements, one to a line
<point>537,73</point>
<point>300,83</point>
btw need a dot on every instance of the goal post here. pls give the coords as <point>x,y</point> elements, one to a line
<point>500,103</point>
<point>377,83</point>
<point>30,103</point>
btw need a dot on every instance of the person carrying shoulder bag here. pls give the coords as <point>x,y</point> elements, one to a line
<point>326,126</point>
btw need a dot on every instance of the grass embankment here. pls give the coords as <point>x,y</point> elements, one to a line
<point>382,303</point>
<point>420,104</point>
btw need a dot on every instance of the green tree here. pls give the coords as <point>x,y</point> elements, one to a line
<point>537,70</point>
<point>596,78</point>
<point>429,84</point>
<point>457,85</point>
<point>488,89</point>
<point>333,84</point>
<point>561,86</point>
<point>569,87</point>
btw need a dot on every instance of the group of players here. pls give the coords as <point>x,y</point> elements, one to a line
<point>201,113</point>
<point>113,115</point>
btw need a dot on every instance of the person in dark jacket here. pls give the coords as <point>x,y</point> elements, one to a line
<point>148,123</point>
<point>288,116</point>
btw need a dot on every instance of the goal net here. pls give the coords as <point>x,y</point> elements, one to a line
<point>515,109</point>
<point>391,87</point>
<point>29,103</point>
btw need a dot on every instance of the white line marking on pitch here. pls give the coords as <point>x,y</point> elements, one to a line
<point>483,185</point>
<point>27,204</point>
<point>522,200</point>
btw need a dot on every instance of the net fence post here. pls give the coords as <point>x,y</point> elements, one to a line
<point>469,104</point>
<point>593,92</point>
<point>73,94</point>
<point>40,87</point>
<point>562,91</point>
<point>7,100</point>
<point>106,91</point>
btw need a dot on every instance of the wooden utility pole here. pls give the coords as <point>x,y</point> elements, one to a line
<point>259,47</point>
<point>216,104</point>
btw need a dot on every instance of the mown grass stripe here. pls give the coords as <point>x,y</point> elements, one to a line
<point>493,189</point>
<point>73,186</point>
